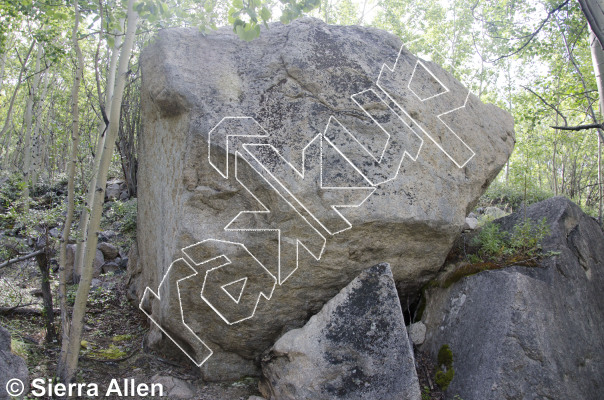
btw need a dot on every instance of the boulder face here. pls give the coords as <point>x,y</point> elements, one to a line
<point>528,332</point>
<point>356,347</point>
<point>272,172</point>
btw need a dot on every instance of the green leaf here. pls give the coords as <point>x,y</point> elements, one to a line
<point>265,14</point>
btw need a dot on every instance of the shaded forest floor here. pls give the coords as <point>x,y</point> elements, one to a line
<point>112,343</point>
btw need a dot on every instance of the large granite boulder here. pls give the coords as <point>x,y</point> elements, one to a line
<point>12,369</point>
<point>249,149</point>
<point>356,347</point>
<point>529,332</point>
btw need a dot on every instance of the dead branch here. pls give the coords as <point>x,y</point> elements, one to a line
<point>21,258</point>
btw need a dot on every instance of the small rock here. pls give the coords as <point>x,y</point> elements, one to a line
<point>124,195</point>
<point>471,224</point>
<point>472,215</point>
<point>123,262</point>
<point>113,190</point>
<point>417,333</point>
<point>110,267</point>
<point>97,264</point>
<point>106,235</point>
<point>54,232</point>
<point>109,251</point>
<point>174,388</point>
<point>95,283</point>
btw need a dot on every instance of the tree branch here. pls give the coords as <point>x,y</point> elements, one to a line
<point>546,103</point>
<point>21,258</point>
<point>579,127</point>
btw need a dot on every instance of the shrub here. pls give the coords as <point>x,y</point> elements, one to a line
<point>123,212</point>
<point>444,378</point>
<point>525,239</point>
<point>446,372</point>
<point>445,356</point>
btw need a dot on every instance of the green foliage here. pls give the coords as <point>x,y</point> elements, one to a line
<point>527,236</point>
<point>512,195</point>
<point>445,356</point>
<point>247,16</point>
<point>446,372</point>
<point>123,212</point>
<point>426,393</point>
<point>491,240</point>
<point>525,239</point>
<point>444,378</point>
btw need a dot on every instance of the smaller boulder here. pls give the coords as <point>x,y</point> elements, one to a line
<point>123,262</point>
<point>114,189</point>
<point>106,235</point>
<point>356,347</point>
<point>109,251</point>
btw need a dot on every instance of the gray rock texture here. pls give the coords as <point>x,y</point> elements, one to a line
<point>417,333</point>
<point>356,347</point>
<point>11,366</point>
<point>97,264</point>
<point>292,80</point>
<point>109,250</point>
<point>529,332</point>
<point>174,388</point>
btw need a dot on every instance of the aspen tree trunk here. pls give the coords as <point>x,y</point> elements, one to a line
<point>28,130</point>
<point>9,113</point>
<point>69,366</point>
<point>2,64</point>
<point>75,137</point>
<point>597,56</point>
<point>594,13</point>
<point>85,216</point>
<point>37,139</point>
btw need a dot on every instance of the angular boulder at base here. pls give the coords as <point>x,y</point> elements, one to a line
<point>356,347</point>
<point>528,332</point>
<point>291,80</point>
<point>11,365</point>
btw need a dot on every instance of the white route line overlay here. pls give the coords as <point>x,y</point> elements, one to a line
<point>191,357</point>
<point>267,211</point>
<point>438,116</point>
<point>225,175</point>
<point>302,175</point>
<point>228,262</point>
